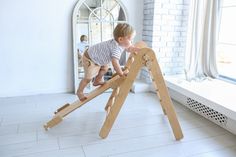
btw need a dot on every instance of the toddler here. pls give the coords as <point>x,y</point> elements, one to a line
<point>97,57</point>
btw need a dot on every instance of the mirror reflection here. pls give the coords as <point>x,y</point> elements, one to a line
<point>93,22</point>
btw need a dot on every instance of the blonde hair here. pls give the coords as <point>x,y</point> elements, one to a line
<point>83,38</point>
<point>123,30</point>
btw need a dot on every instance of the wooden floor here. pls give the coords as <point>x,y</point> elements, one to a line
<point>141,130</point>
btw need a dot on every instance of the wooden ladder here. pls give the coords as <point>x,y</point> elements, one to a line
<point>121,87</point>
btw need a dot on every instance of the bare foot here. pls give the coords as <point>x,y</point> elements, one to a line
<point>95,83</point>
<point>81,96</point>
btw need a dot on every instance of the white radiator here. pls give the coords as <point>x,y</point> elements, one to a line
<point>205,111</point>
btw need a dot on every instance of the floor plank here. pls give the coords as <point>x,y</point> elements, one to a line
<point>141,129</point>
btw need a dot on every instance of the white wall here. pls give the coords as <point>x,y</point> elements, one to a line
<point>135,15</point>
<point>36,45</point>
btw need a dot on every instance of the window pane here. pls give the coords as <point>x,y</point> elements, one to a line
<point>226,60</point>
<point>95,32</point>
<point>228,26</point>
<point>107,31</point>
<point>227,3</point>
<point>226,48</point>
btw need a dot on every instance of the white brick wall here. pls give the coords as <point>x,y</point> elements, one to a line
<point>164,30</point>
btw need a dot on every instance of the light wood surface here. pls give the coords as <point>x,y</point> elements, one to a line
<point>121,87</point>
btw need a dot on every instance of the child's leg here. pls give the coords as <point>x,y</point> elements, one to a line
<point>98,79</point>
<point>80,92</point>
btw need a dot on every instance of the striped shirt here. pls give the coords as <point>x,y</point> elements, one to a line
<point>102,53</point>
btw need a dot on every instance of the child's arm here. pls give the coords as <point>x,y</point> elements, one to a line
<point>116,65</point>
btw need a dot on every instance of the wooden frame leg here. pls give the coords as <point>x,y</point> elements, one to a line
<point>157,92</point>
<point>166,102</point>
<point>114,111</point>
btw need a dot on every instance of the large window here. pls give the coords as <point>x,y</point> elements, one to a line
<point>226,48</point>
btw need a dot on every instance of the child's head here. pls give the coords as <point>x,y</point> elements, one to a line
<point>83,38</point>
<point>123,34</point>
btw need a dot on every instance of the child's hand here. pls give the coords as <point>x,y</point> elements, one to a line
<point>133,49</point>
<point>140,44</point>
<point>124,73</point>
<point>121,74</point>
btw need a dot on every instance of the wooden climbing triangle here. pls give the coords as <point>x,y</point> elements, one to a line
<point>121,87</point>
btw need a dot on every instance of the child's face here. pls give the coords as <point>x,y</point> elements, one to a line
<point>126,41</point>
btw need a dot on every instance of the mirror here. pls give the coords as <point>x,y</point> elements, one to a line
<point>94,20</point>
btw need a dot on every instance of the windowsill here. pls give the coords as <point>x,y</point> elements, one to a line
<point>227,79</point>
<point>220,95</point>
